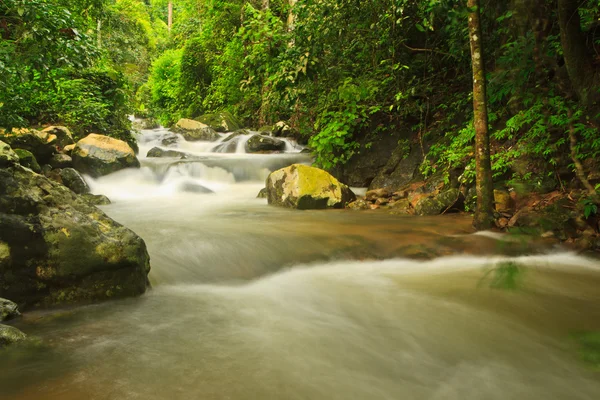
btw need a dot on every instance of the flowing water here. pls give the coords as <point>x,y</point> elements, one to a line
<point>261,303</point>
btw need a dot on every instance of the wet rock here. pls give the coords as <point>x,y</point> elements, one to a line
<point>229,146</point>
<point>375,194</point>
<point>56,248</point>
<point>8,310</point>
<point>306,150</point>
<point>41,144</point>
<point>401,207</point>
<point>237,133</point>
<point>258,143</point>
<point>96,199</point>
<point>401,168</point>
<point>27,159</point>
<point>169,139</point>
<point>451,199</point>
<point>303,187</point>
<point>266,130</point>
<point>262,194</point>
<point>74,181</point>
<point>194,131</point>
<point>7,155</point>
<point>157,152</point>
<point>61,161</point>
<point>359,204</point>
<point>220,122</point>
<point>429,206</point>
<point>281,129</point>
<point>99,155</point>
<point>146,123</point>
<point>68,149</point>
<point>10,335</point>
<point>63,135</point>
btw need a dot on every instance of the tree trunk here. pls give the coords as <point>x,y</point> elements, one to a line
<point>170,16</point>
<point>578,61</point>
<point>484,215</point>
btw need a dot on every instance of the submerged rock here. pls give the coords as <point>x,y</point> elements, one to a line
<point>258,143</point>
<point>27,159</point>
<point>74,181</point>
<point>8,310</point>
<point>99,155</point>
<point>195,131</point>
<point>262,194</point>
<point>220,122</point>
<point>192,187</point>
<point>56,248</point>
<point>41,144</point>
<point>10,335</point>
<point>303,187</point>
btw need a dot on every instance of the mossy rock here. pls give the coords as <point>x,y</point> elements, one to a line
<point>10,335</point>
<point>7,155</point>
<point>41,144</point>
<point>157,152</point>
<point>303,187</point>
<point>221,122</point>
<point>63,135</point>
<point>27,159</point>
<point>99,155</point>
<point>194,131</point>
<point>429,206</point>
<point>8,310</point>
<point>96,199</point>
<point>259,143</point>
<point>74,181</point>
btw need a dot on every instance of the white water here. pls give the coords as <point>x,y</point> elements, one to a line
<point>255,302</point>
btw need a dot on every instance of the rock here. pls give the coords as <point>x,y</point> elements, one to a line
<point>61,161</point>
<point>27,159</point>
<point>374,194</point>
<point>158,152</point>
<point>401,168</point>
<point>63,135</point>
<point>146,123</point>
<point>381,201</point>
<point>98,155</point>
<point>258,143</point>
<point>41,144</point>
<point>56,248</point>
<point>359,204</point>
<point>10,335</point>
<point>451,200</point>
<point>306,150</point>
<point>266,130</point>
<point>7,155</point>
<point>502,201</point>
<point>221,122</point>
<point>429,206</point>
<point>227,147</point>
<point>169,140</point>
<point>68,149</point>
<point>192,187</point>
<point>502,222</point>
<point>303,187</point>
<point>8,310</point>
<point>401,206</point>
<point>281,129</point>
<point>262,194</point>
<point>96,199</point>
<point>74,181</point>
<point>195,131</point>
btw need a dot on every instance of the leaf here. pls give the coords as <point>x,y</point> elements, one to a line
<point>20,11</point>
<point>420,27</point>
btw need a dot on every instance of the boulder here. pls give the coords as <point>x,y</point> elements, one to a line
<point>401,168</point>
<point>303,187</point>
<point>266,130</point>
<point>74,181</point>
<point>98,155</point>
<point>27,159</point>
<point>258,143</point>
<point>56,248</point>
<point>41,144</point>
<point>7,155</point>
<point>10,335</point>
<point>63,135</point>
<point>400,207</point>
<point>451,199</point>
<point>281,129</point>
<point>221,122</point>
<point>359,204</point>
<point>194,131</point>
<point>375,194</point>
<point>68,149</point>
<point>227,147</point>
<point>237,133</point>
<point>502,201</point>
<point>61,161</point>
<point>96,199</point>
<point>169,139</point>
<point>429,206</point>
<point>262,194</point>
<point>8,310</point>
<point>157,152</point>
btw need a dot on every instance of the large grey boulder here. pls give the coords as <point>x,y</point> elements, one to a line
<point>8,309</point>
<point>57,248</point>
<point>62,133</point>
<point>258,143</point>
<point>98,155</point>
<point>303,187</point>
<point>74,181</point>
<point>195,131</point>
<point>157,152</point>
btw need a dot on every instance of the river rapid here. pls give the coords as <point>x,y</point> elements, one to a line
<point>252,302</point>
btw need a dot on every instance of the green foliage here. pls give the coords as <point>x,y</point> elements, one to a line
<point>589,207</point>
<point>164,86</point>
<point>589,347</point>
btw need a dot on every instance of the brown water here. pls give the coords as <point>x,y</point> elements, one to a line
<point>260,303</point>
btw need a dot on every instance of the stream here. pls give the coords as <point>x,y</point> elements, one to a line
<point>263,303</point>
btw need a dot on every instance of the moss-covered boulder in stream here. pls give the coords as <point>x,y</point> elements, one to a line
<point>98,155</point>
<point>303,187</point>
<point>259,143</point>
<point>10,335</point>
<point>27,159</point>
<point>221,122</point>
<point>195,131</point>
<point>57,248</point>
<point>63,135</point>
<point>8,310</point>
